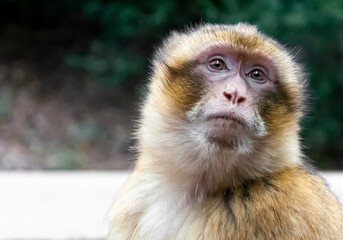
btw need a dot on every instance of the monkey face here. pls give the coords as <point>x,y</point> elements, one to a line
<point>233,83</point>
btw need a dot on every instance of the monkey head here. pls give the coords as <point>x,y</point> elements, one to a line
<point>221,95</point>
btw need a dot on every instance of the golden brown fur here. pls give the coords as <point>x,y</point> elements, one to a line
<point>185,187</point>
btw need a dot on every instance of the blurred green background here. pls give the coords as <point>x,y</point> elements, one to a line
<point>72,73</point>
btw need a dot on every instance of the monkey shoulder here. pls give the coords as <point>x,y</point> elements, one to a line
<point>128,207</point>
<point>291,204</point>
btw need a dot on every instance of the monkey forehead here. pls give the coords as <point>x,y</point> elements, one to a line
<point>241,37</point>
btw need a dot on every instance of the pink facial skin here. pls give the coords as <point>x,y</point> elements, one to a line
<point>234,82</point>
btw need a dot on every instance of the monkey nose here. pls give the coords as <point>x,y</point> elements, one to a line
<point>234,97</point>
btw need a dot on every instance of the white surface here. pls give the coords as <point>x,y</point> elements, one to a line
<point>56,205</point>
<point>335,182</point>
<point>68,205</point>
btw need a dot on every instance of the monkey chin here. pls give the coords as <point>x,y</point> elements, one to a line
<point>227,132</point>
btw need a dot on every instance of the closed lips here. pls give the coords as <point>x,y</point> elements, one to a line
<point>226,116</point>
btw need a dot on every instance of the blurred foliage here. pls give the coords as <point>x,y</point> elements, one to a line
<point>125,32</point>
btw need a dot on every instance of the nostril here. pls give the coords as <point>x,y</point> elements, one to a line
<point>241,99</point>
<point>228,95</point>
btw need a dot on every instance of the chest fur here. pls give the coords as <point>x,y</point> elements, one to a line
<point>285,206</point>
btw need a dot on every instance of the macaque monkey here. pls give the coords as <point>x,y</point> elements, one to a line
<point>218,146</point>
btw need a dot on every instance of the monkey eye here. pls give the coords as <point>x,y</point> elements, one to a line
<point>218,64</point>
<point>258,75</point>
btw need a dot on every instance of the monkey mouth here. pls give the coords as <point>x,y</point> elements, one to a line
<point>226,117</point>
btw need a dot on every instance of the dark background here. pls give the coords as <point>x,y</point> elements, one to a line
<point>72,73</point>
